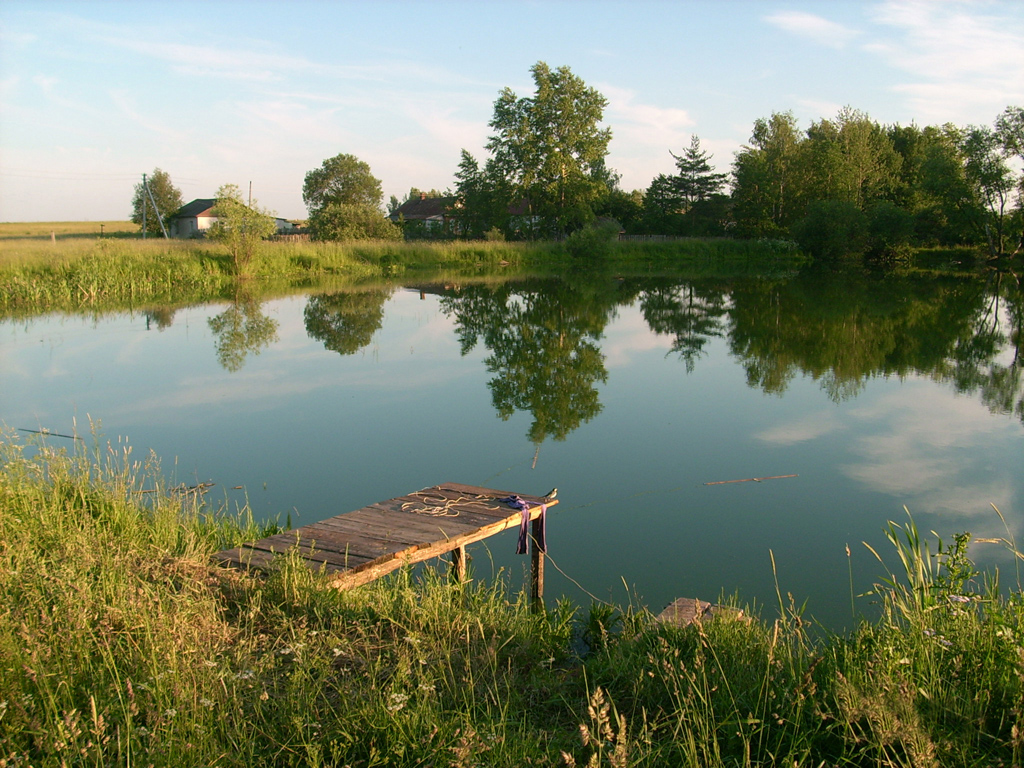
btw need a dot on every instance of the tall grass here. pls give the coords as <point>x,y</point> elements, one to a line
<point>72,275</point>
<point>120,644</point>
<point>79,270</point>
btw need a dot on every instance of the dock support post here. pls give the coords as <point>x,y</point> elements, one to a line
<point>536,567</point>
<point>458,571</point>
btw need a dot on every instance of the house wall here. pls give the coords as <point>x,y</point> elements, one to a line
<point>193,226</point>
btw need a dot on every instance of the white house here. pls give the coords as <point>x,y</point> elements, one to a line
<point>193,219</point>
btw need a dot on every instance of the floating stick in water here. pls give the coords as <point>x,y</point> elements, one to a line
<point>750,479</point>
<point>48,433</point>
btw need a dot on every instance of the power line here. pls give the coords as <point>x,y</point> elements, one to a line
<point>80,176</point>
<point>65,176</point>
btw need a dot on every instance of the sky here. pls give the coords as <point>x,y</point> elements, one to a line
<point>94,94</point>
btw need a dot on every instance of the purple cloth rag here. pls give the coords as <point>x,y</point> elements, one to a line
<point>517,502</point>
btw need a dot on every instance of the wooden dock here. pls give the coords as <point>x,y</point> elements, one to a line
<point>361,546</point>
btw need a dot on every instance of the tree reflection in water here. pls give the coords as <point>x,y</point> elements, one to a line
<point>240,330</point>
<point>544,353</point>
<point>844,329</point>
<point>692,314</point>
<point>346,321</point>
<point>839,328</point>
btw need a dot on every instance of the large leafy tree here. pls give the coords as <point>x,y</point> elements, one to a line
<point>991,179</point>
<point>239,226</point>
<point>550,148</point>
<point>850,158</point>
<point>341,179</point>
<point>944,206</point>
<point>344,201</point>
<point>766,177</point>
<point>1010,129</point>
<point>346,221</point>
<point>166,196</point>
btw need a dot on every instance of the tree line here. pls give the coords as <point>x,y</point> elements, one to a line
<point>844,185</point>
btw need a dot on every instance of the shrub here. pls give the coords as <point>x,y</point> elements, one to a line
<point>594,241</point>
<point>831,229</point>
<point>347,221</point>
<point>890,229</point>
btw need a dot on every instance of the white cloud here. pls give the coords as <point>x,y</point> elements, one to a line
<point>656,125</point>
<point>815,28</point>
<point>961,61</point>
<point>809,427</point>
<point>649,131</point>
<point>46,84</point>
<point>126,104</point>
<point>214,61</point>
<point>11,40</point>
<point>908,452</point>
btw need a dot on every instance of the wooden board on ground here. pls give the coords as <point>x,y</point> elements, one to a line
<point>687,610</point>
<point>361,546</point>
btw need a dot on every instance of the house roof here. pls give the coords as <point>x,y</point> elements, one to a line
<point>422,208</point>
<point>197,207</point>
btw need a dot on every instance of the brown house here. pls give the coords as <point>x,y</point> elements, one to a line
<point>431,211</point>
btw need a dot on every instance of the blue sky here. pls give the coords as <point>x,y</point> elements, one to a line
<point>94,94</point>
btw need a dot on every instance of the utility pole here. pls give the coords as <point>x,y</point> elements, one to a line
<point>156,210</point>
<point>144,187</point>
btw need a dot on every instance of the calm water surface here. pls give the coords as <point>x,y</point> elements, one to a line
<point>629,395</point>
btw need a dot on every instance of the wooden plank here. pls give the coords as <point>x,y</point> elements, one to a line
<point>687,610</point>
<point>247,557</point>
<point>398,524</point>
<point>342,539</point>
<point>364,546</point>
<point>481,500</point>
<point>412,534</point>
<point>244,557</point>
<point>385,513</point>
<point>316,554</point>
<point>413,520</point>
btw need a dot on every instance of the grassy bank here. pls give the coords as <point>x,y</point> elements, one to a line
<point>121,645</point>
<point>76,269</point>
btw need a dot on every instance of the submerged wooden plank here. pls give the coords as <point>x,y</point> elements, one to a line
<point>687,610</point>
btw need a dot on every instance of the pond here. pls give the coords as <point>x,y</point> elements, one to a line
<point>848,395</point>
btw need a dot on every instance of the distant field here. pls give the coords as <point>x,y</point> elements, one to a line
<point>39,230</point>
